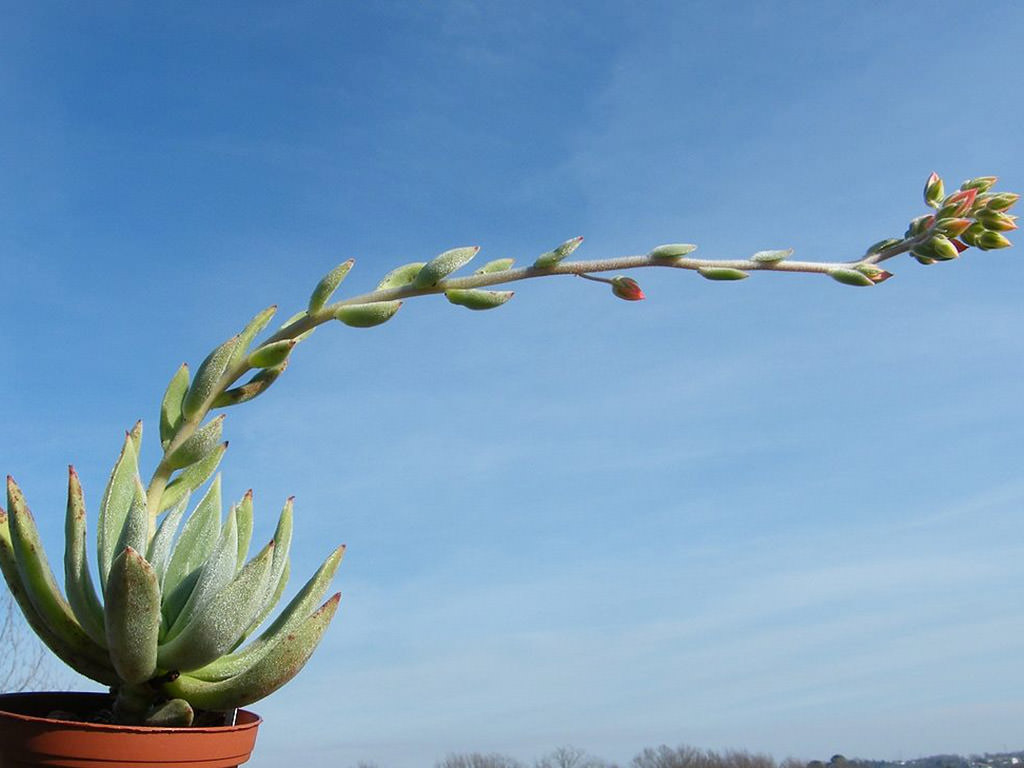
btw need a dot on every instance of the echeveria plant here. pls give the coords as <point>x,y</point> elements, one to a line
<point>167,628</point>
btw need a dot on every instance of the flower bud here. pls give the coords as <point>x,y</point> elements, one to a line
<point>995,221</point>
<point>925,250</point>
<point>972,233</point>
<point>942,248</point>
<point>1003,202</point>
<point>960,247</point>
<point>990,241</point>
<point>933,191</point>
<point>958,204</point>
<point>626,288</point>
<point>919,225</point>
<point>952,227</point>
<point>980,183</point>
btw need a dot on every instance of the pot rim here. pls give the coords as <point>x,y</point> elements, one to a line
<point>245,720</point>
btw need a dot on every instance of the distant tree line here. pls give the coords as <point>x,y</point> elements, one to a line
<point>690,757</point>
<point>573,757</point>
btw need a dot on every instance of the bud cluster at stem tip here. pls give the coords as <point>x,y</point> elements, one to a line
<point>973,216</point>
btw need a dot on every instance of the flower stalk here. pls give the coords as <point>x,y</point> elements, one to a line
<point>972,213</point>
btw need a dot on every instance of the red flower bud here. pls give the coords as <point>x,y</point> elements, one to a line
<point>958,204</point>
<point>626,288</point>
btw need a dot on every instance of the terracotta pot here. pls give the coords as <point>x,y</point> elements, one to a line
<point>29,738</point>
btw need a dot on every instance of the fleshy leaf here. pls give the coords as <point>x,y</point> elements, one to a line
<point>199,445</point>
<point>208,377</point>
<point>443,265</point>
<point>476,299</point>
<point>132,616</point>
<point>367,315</point>
<point>115,506</point>
<point>170,408</point>
<point>328,285</point>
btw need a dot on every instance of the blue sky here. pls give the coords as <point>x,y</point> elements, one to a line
<point>781,515</point>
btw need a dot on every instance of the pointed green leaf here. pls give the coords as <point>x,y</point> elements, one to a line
<point>672,250</point>
<point>722,273</point>
<point>207,379</point>
<point>367,315</point>
<point>90,661</point>
<point>38,581</point>
<point>136,437</point>
<point>250,332</point>
<point>243,521</point>
<point>257,385</point>
<point>135,532</point>
<point>443,265</point>
<point>199,445</point>
<point>170,408</point>
<point>551,258</point>
<point>771,257</point>
<point>328,285</point>
<point>477,299</point>
<point>275,598</point>
<point>278,569</point>
<point>498,265</point>
<point>159,551</point>
<point>399,277</point>
<point>191,478</point>
<point>272,355</point>
<point>78,584</point>
<point>117,502</point>
<point>850,277</point>
<point>293,614</point>
<point>276,668</point>
<point>215,573</point>
<point>132,617</point>
<point>215,628</point>
<point>197,540</point>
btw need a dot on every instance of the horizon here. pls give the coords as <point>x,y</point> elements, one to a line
<point>780,516</point>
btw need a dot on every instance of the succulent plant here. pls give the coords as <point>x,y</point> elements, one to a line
<point>166,630</point>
